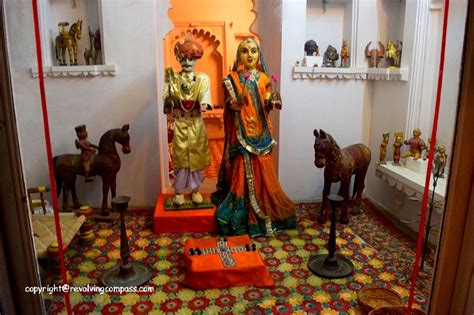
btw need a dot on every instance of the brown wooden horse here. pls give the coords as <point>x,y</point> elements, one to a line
<point>340,165</point>
<point>105,164</point>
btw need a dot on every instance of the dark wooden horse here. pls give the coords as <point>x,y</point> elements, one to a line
<point>340,165</point>
<point>106,163</point>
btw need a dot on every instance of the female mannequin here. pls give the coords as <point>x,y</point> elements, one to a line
<point>249,196</point>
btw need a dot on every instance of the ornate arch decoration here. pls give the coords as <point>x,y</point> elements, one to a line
<point>212,33</point>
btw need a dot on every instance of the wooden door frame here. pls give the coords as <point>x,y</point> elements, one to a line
<point>455,259</point>
<point>18,264</point>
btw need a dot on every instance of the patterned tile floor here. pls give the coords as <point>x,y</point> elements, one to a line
<point>381,255</point>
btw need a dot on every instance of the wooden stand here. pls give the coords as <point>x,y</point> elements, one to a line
<point>329,266</point>
<point>128,273</point>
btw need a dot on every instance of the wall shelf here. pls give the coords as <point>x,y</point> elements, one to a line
<point>313,73</point>
<point>76,71</point>
<point>408,181</point>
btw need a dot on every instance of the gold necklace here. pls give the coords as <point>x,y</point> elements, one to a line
<point>186,89</point>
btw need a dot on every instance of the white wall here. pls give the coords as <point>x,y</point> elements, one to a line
<point>340,107</point>
<point>102,103</point>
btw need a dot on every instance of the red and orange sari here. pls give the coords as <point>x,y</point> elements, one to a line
<point>249,196</point>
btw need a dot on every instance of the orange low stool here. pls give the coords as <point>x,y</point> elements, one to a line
<point>183,221</point>
<point>205,268</point>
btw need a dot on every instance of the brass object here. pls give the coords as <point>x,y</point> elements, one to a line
<point>68,40</point>
<point>91,55</point>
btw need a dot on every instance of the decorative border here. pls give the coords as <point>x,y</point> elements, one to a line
<point>313,73</point>
<point>76,71</point>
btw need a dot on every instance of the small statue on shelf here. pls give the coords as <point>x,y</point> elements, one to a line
<point>345,55</point>
<point>417,145</point>
<point>396,147</point>
<point>374,55</point>
<point>394,54</point>
<point>68,40</point>
<point>311,48</point>
<point>440,159</point>
<point>90,55</point>
<point>304,63</point>
<point>88,150</point>
<point>383,148</point>
<point>330,57</point>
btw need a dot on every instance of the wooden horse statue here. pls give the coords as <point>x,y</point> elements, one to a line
<point>340,165</point>
<point>105,164</point>
<point>68,40</point>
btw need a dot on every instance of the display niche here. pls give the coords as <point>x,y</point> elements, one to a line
<point>331,22</point>
<point>72,39</point>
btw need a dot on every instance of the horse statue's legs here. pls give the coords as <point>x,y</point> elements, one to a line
<point>71,55</point>
<point>75,200</point>
<point>74,47</point>
<point>65,195</point>
<point>359,185</point>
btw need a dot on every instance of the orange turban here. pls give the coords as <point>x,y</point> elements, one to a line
<point>188,48</point>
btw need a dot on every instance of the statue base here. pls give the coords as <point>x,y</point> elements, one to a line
<point>187,220</point>
<point>417,166</point>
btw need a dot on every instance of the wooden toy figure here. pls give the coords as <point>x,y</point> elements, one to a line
<point>345,55</point>
<point>340,165</point>
<point>88,150</point>
<point>440,159</point>
<point>396,147</point>
<point>417,145</point>
<point>186,94</point>
<point>383,148</point>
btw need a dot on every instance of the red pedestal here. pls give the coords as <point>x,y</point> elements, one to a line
<point>207,271</point>
<point>183,221</point>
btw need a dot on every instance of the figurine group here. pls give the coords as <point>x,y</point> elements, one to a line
<point>249,197</point>
<point>67,40</point>
<point>330,55</point>
<point>415,151</point>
